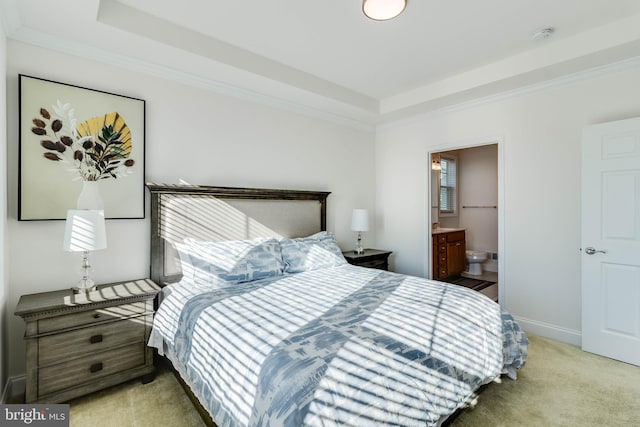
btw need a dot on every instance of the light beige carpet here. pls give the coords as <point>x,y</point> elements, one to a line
<point>161,402</point>
<point>560,386</point>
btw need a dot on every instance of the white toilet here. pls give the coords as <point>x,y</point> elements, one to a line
<point>475,260</point>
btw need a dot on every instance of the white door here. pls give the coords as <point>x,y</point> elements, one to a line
<point>611,240</point>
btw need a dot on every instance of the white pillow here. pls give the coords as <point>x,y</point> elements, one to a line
<point>317,251</point>
<point>233,261</point>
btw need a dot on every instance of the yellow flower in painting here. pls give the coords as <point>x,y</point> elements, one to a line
<point>96,126</point>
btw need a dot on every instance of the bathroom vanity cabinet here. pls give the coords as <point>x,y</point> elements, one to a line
<point>449,253</point>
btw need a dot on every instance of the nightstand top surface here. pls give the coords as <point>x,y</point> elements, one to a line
<point>46,301</point>
<point>367,253</point>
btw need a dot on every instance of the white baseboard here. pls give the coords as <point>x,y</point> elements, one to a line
<point>558,333</point>
<point>14,388</point>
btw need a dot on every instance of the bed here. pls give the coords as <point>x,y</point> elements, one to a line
<point>268,325</point>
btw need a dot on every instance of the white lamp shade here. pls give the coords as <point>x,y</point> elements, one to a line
<point>360,220</point>
<point>85,230</point>
<point>381,10</point>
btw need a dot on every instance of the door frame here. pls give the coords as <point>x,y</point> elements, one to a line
<point>448,146</point>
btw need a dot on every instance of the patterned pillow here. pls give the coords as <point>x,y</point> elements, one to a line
<point>311,253</point>
<point>192,272</point>
<point>233,261</point>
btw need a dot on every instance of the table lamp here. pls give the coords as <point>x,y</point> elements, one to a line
<point>85,231</point>
<point>359,223</point>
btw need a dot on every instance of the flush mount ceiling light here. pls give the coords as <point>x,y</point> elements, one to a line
<point>381,10</point>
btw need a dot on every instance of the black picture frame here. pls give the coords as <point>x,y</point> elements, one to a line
<point>70,134</point>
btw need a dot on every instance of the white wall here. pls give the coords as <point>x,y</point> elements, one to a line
<point>198,136</point>
<point>4,310</point>
<point>541,133</point>
<point>478,186</point>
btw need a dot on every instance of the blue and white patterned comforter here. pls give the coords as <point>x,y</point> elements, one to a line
<point>344,346</point>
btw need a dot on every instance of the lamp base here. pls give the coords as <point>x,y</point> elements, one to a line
<point>77,290</point>
<point>84,286</point>
<point>359,250</point>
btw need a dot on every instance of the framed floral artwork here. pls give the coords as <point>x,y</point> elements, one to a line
<point>79,149</point>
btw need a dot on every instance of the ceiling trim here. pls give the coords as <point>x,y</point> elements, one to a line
<point>62,45</point>
<point>142,24</point>
<point>36,38</point>
<point>589,49</point>
<point>448,95</point>
<point>620,66</point>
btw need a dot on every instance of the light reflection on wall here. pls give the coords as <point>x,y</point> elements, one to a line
<point>207,218</point>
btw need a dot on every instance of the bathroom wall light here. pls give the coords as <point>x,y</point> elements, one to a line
<point>382,10</point>
<point>435,162</point>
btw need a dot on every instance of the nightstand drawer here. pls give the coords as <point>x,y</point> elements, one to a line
<point>70,345</point>
<point>88,369</point>
<point>376,263</point>
<point>93,316</point>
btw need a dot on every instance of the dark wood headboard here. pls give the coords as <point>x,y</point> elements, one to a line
<point>226,213</point>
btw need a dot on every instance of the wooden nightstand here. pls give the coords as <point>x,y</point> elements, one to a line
<point>80,343</point>
<point>371,258</point>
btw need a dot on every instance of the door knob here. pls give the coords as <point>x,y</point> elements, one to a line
<point>591,250</point>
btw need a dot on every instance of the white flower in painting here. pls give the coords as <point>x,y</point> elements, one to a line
<point>65,113</point>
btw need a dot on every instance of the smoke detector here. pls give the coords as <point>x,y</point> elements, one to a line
<point>542,34</point>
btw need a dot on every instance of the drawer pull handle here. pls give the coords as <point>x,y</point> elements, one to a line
<point>96,367</point>
<point>96,339</point>
<point>96,316</point>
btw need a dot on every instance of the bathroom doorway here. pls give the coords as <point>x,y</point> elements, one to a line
<point>465,192</point>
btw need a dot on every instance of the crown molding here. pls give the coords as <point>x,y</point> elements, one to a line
<point>141,24</point>
<point>69,47</point>
<point>308,104</point>
<point>390,121</point>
